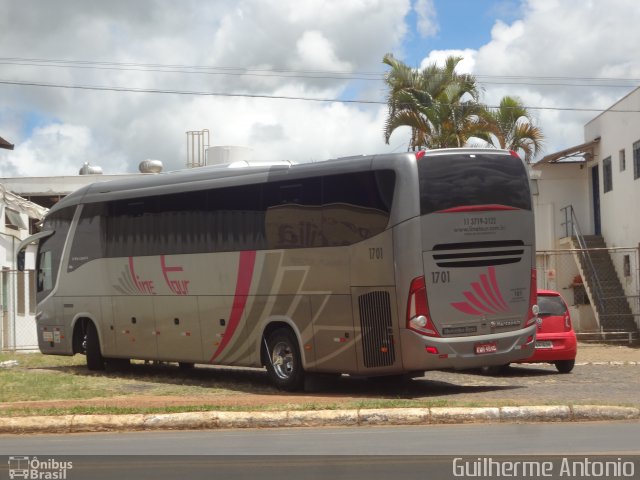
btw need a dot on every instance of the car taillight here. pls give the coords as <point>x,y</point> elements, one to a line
<point>533,300</point>
<point>567,322</point>
<point>418,318</point>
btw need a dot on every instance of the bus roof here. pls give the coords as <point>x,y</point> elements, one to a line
<point>208,177</point>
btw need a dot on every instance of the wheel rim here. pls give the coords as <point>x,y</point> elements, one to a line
<point>282,360</point>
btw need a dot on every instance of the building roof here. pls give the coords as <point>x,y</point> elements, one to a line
<point>5,144</point>
<point>21,205</point>
<point>581,153</point>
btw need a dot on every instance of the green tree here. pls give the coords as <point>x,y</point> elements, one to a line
<point>439,105</point>
<point>510,126</point>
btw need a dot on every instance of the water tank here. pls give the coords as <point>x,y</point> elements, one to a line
<point>150,166</point>
<point>88,169</point>
<point>228,154</point>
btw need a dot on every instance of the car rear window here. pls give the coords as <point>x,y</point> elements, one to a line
<point>551,305</point>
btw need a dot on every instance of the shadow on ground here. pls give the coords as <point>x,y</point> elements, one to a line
<point>144,377</point>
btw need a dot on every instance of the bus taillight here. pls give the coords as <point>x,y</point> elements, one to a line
<point>532,314</point>
<point>418,318</point>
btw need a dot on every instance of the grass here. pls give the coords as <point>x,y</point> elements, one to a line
<point>44,378</point>
<point>68,388</point>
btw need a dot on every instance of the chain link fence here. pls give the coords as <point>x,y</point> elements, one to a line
<point>18,305</point>
<point>606,300</point>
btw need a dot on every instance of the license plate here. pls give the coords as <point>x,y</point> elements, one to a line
<point>482,348</point>
<point>544,344</point>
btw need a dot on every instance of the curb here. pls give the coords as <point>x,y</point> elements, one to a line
<point>314,418</point>
<point>610,363</point>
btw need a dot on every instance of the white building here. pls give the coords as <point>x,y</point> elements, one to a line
<point>596,186</point>
<point>17,298</point>
<point>23,202</point>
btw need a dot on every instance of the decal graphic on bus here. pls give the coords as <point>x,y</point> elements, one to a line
<point>485,298</point>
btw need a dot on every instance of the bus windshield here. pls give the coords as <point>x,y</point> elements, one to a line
<point>463,180</point>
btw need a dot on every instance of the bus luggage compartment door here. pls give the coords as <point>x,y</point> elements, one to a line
<point>136,335</point>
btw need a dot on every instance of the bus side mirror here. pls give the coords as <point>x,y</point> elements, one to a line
<point>20,260</point>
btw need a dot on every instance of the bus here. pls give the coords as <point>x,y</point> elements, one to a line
<point>383,265</point>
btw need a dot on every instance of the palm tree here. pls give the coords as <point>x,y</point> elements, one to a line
<point>511,127</point>
<point>440,105</point>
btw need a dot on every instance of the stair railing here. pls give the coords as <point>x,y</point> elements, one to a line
<point>572,229</point>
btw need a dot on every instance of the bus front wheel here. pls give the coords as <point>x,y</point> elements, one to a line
<point>95,361</point>
<point>284,362</point>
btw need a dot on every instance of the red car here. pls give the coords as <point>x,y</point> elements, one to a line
<point>555,339</point>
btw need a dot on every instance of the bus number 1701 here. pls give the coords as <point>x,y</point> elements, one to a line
<point>441,277</point>
<point>376,253</point>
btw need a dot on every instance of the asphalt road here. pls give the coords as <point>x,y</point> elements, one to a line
<point>302,453</point>
<point>467,439</point>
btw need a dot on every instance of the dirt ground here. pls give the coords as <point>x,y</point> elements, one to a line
<point>334,393</point>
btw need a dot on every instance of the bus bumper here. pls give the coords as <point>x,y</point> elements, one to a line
<point>459,353</point>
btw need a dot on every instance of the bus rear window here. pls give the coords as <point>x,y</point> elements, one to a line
<point>462,180</point>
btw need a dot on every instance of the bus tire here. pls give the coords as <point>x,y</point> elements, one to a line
<point>284,362</point>
<point>95,361</point>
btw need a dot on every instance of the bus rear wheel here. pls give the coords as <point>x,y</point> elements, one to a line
<point>95,361</point>
<point>284,362</point>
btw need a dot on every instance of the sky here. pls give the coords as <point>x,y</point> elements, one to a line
<point>115,83</point>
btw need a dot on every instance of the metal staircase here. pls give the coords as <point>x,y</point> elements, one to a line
<point>601,281</point>
<point>603,285</point>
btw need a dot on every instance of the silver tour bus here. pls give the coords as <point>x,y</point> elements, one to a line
<point>379,265</point>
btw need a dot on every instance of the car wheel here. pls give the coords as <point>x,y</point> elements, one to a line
<point>495,369</point>
<point>284,362</point>
<point>565,366</point>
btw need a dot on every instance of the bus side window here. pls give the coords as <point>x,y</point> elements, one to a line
<point>44,279</point>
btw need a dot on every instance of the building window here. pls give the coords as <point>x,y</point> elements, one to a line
<point>626,265</point>
<point>14,220</point>
<point>623,160</point>
<point>636,159</point>
<point>607,175</point>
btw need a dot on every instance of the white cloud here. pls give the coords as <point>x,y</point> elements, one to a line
<point>427,18</point>
<point>555,43</point>
<point>466,65</point>
<point>564,41</point>
<point>316,51</point>
<point>56,130</point>
<point>118,130</point>
<point>56,149</point>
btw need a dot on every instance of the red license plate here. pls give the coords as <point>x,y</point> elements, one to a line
<point>489,347</point>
